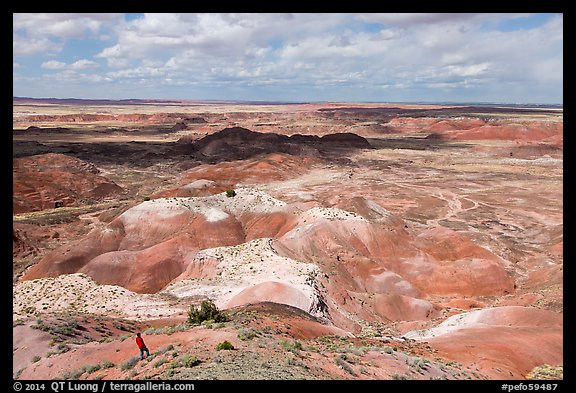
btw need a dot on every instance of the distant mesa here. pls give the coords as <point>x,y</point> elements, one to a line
<point>138,101</point>
<point>237,143</point>
<point>156,118</point>
<point>346,139</point>
<point>32,130</point>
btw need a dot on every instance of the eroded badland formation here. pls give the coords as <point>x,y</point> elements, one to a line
<point>363,241</point>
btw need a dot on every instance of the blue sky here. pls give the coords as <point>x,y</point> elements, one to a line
<point>506,58</point>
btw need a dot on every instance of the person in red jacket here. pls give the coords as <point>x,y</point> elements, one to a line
<point>142,346</point>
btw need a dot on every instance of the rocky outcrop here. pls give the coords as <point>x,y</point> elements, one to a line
<point>21,245</point>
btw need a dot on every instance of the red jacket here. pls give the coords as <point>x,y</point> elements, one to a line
<point>140,342</point>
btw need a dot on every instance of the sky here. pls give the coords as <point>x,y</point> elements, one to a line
<point>302,57</point>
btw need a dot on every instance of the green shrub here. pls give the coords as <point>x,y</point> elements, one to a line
<point>61,348</point>
<point>160,362</point>
<point>163,350</point>
<point>107,364</point>
<point>130,363</point>
<point>546,371</point>
<point>73,375</point>
<point>230,193</point>
<point>190,361</point>
<point>146,199</point>
<point>224,345</point>
<point>92,368</point>
<point>206,312</point>
<point>247,333</point>
<point>293,346</point>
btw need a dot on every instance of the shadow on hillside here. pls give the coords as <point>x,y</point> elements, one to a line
<point>230,144</point>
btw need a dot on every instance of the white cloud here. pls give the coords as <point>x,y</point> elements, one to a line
<point>82,64</point>
<point>468,70</point>
<point>70,76</point>
<point>53,65</point>
<point>419,19</point>
<point>31,46</point>
<point>138,72</point>
<point>61,25</point>
<point>212,35</point>
<point>306,51</point>
<point>46,33</point>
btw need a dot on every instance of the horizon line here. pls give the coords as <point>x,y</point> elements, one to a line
<point>280,102</point>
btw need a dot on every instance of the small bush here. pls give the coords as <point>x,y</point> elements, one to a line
<point>293,346</point>
<point>73,375</point>
<point>224,345</point>
<point>92,368</point>
<point>107,364</point>
<point>118,325</point>
<point>388,350</point>
<point>146,199</point>
<point>130,363</point>
<point>546,371</point>
<point>176,328</point>
<point>292,361</point>
<point>163,350</point>
<point>206,312</point>
<point>61,348</point>
<point>230,193</point>
<point>247,334</point>
<point>190,361</point>
<point>160,362</point>
<point>343,363</point>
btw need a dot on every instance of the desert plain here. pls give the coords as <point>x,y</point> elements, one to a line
<point>344,241</point>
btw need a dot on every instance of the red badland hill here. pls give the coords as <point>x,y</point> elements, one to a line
<point>152,244</point>
<point>51,180</point>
